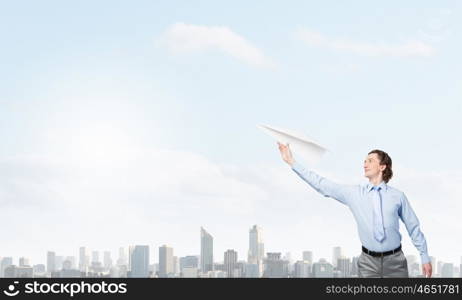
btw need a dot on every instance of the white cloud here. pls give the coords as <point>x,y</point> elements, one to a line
<point>184,38</point>
<point>408,48</point>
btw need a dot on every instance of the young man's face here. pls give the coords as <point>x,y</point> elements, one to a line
<point>372,167</point>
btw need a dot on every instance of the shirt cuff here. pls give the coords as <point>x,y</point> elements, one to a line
<point>297,167</point>
<point>425,258</point>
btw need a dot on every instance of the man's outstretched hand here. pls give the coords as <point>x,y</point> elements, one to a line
<point>286,153</point>
<point>427,270</point>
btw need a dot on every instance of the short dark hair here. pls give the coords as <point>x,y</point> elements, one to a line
<point>385,159</point>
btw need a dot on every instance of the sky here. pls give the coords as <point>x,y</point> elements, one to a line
<point>135,122</point>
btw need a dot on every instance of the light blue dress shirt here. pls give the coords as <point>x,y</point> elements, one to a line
<point>359,199</point>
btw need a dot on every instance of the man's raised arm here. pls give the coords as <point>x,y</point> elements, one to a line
<point>322,185</point>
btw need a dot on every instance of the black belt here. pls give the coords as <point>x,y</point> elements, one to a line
<point>365,250</point>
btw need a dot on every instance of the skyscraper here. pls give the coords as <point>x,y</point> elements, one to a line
<point>206,251</point>
<point>95,257</point>
<point>6,262</point>
<point>51,261</point>
<point>308,256</point>
<point>337,253</point>
<point>84,259</point>
<point>230,262</point>
<point>344,266</point>
<point>59,259</point>
<point>439,266</point>
<point>275,267</point>
<point>256,246</point>
<point>107,260</point>
<point>256,250</point>
<point>176,265</point>
<point>122,260</point>
<point>302,269</point>
<point>24,262</point>
<point>139,261</point>
<point>166,266</point>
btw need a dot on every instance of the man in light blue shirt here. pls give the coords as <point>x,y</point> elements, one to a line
<point>377,208</point>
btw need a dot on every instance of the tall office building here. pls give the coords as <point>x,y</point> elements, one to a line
<point>288,257</point>
<point>336,254</point>
<point>176,266</point>
<point>256,252</point>
<point>51,261</point>
<point>302,269</point>
<point>107,260</point>
<point>308,256</point>
<point>59,259</point>
<point>72,260</point>
<point>166,263</point>
<point>433,262</point>
<point>94,257</point>
<point>230,262</point>
<point>344,266</point>
<point>256,245</point>
<point>84,259</point>
<point>139,261</point>
<point>439,266</point>
<point>24,262</point>
<point>275,267</point>
<point>6,262</point>
<point>206,251</point>
<point>122,260</point>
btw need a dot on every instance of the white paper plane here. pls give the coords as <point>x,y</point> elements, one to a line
<point>299,144</point>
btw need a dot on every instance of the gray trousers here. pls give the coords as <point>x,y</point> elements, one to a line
<point>393,265</point>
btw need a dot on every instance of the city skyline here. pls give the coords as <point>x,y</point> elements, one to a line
<point>136,262</point>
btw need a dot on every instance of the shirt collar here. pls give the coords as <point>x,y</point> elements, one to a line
<point>382,185</point>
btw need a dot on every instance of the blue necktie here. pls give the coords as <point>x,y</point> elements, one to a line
<point>379,231</point>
